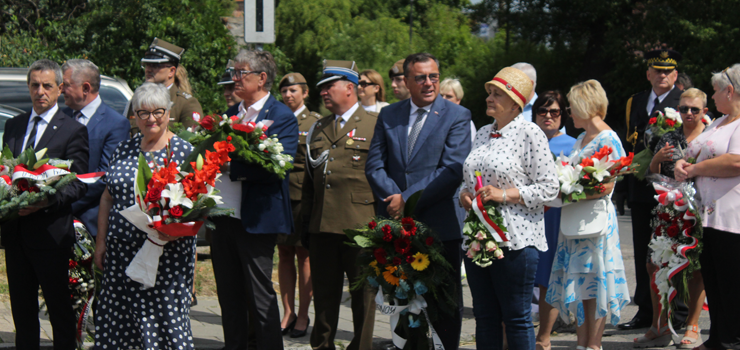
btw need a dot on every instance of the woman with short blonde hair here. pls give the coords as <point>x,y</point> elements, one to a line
<point>451,90</point>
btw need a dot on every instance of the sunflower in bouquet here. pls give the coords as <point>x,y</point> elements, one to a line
<point>403,260</point>
<point>250,140</point>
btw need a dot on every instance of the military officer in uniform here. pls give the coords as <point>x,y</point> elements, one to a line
<point>294,90</point>
<point>228,83</point>
<point>337,196</point>
<point>662,74</point>
<point>160,64</point>
<point>398,81</point>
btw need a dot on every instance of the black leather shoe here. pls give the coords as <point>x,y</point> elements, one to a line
<point>636,323</point>
<point>289,328</point>
<point>296,333</point>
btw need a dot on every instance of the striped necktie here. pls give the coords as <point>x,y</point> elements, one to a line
<point>415,130</point>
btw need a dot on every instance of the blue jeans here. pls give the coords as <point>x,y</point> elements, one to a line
<point>503,292</point>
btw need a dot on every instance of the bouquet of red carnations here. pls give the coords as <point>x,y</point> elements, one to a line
<point>403,260</point>
<point>174,203</point>
<point>31,178</point>
<point>484,233</point>
<point>590,174</point>
<point>677,240</point>
<point>250,140</point>
<point>658,125</point>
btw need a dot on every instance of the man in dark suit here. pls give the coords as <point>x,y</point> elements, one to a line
<point>243,245</point>
<point>422,143</point>
<point>662,75</point>
<point>106,128</point>
<point>38,244</point>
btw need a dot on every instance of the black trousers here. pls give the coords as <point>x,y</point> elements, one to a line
<point>448,327</point>
<point>242,265</point>
<point>719,263</point>
<point>27,269</point>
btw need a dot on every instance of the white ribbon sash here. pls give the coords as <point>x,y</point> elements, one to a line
<point>417,305</point>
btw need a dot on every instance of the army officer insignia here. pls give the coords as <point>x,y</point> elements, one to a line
<point>350,142</point>
<point>356,158</point>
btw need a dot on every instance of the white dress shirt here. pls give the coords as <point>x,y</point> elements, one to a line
<point>414,111</point>
<point>89,111</point>
<point>231,191</point>
<point>342,119</point>
<point>45,120</point>
<point>651,99</point>
<point>299,110</point>
<point>520,158</point>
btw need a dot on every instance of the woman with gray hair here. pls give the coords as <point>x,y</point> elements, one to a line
<point>128,315</point>
<point>716,174</point>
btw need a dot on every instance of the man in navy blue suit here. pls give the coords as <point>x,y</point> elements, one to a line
<point>106,128</point>
<point>422,143</point>
<point>243,244</point>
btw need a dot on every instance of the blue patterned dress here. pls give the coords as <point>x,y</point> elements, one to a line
<point>590,268</point>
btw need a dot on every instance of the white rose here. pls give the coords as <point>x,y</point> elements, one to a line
<point>261,146</point>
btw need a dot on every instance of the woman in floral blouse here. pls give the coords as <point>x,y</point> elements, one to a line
<point>717,177</point>
<point>518,173</point>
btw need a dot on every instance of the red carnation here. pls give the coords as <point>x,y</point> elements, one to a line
<point>372,225</point>
<point>429,241</point>
<point>653,120</point>
<point>407,223</point>
<point>207,122</point>
<point>72,264</point>
<point>410,258</point>
<point>402,245</point>
<point>23,185</point>
<point>176,211</point>
<point>670,122</point>
<point>73,280</point>
<point>387,237</point>
<point>380,255</point>
<point>397,261</point>
<point>153,195</point>
<point>263,136</point>
<point>386,229</point>
<point>672,231</point>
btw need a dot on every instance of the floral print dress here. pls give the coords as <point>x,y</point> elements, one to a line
<point>590,268</point>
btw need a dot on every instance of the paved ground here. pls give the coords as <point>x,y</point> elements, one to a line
<point>206,320</point>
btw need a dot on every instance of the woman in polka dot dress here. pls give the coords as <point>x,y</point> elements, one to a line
<point>127,315</point>
<point>519,174</point>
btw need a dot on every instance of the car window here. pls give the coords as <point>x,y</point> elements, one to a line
<point>113,98</point>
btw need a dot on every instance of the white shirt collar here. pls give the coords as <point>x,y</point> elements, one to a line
<point>512,124</point>
<point>46,116</point>
<point>299,111</point>
<point>348,113</point>
<point>256,107</point>
<point>169,86</point>
<point>414,107</point>
<point>92,107</point>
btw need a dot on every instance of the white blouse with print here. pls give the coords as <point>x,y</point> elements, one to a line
<point>519,158</point>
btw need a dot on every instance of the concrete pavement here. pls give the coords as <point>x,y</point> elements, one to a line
<point>206,320</point>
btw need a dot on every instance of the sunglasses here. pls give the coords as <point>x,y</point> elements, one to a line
<point>365,84</point>
<point>554,112</point>
<point>421,79</point>
<point>686,109</point>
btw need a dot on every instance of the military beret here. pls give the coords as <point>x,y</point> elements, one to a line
<point>292,79</point>
<point>397,69</point>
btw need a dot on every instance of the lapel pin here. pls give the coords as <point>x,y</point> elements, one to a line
<point>54,127</point>
<point>435,112</point>
<point>267,110</point>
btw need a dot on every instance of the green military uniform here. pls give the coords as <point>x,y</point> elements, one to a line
<point>185,104</point>
<point>337,196</point>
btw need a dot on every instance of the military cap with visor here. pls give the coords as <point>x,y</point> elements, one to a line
<point>397,69</point>
<point>663,59</point>
<point>292,79</point>
<point>226,77</point>
<point>339,70</point>
<point>161,51</point>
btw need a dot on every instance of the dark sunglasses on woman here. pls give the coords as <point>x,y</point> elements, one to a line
<point>686,109</point>
<point>554,112</point>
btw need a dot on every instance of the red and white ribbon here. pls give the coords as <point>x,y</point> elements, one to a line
<point>498,234</point>
<point>46,172</point>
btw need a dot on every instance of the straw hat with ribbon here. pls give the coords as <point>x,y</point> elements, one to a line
<point>514,83</point>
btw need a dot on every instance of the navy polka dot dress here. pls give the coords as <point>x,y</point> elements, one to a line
<point>127,315</point>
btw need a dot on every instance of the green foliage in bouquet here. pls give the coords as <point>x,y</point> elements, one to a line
<point>481,246</point>
<point>22,193</point>
<point>404,259</point>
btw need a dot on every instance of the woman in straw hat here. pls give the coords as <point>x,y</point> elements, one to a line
<point>587,279</point>
<point>519,174</point>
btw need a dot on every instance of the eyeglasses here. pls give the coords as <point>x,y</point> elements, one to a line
<point>686,109</point>
<point>421,79</point>
<point>730,79</point>
<point>156,66</point>
<point>365,84</point>
<point>157,113</point>
<point>239,74</point>
<point>554,112</point>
